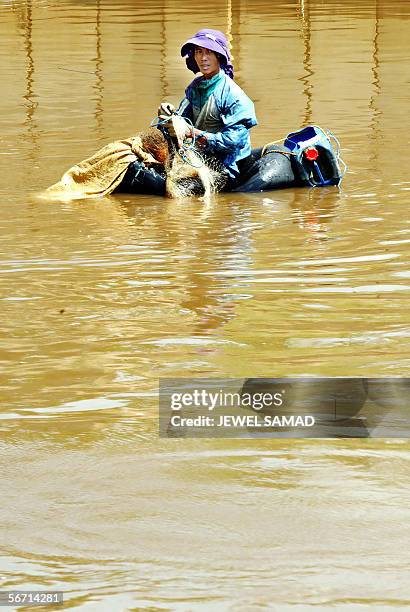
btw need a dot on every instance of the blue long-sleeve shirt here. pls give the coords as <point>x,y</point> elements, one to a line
<point>237,115</point>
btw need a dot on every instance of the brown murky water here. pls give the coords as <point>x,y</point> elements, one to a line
<point>101,298</point>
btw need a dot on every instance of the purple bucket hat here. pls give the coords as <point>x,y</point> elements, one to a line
<point>213,40</point>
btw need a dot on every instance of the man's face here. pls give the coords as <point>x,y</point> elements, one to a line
<point>207,61</point>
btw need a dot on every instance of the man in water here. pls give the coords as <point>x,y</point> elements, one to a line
<point>220,114</point>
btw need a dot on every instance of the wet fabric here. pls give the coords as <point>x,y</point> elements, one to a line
<point>236,113</point>
<point>209,118</point>
<point>100,174</point>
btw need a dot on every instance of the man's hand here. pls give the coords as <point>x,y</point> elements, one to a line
<point>165,110</point>
<point>178,128</point>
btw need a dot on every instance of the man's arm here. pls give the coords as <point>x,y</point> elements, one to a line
<point>228,140</point>
<point>238,117</point>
